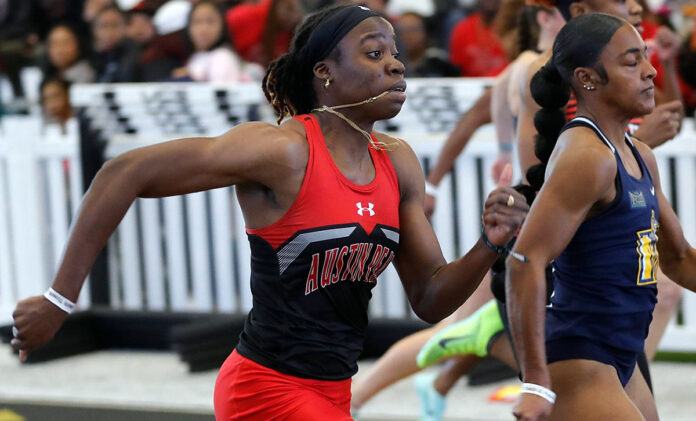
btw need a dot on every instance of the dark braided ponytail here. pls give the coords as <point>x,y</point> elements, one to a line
<point>552,93</point>
<point>578,44</point>
<point>288,81</point>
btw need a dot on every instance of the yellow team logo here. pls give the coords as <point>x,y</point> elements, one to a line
<point>648,258</point>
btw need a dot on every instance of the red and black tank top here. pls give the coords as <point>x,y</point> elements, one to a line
<point>313,270</point>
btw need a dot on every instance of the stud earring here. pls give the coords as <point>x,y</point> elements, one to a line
<point>327,83</point>
<point>589,87</point>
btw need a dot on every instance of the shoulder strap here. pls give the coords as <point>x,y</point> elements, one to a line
<point>586,122</point>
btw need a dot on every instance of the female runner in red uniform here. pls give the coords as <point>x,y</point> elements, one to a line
<point>327,208</point>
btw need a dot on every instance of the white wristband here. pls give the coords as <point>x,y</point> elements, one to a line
<point>535,389</point>
<point>431,189</point>
<point>60,301</point>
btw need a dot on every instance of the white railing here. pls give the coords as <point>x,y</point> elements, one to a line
<point>40,189</point>
<point>677,162</point>
<point>191,253</point>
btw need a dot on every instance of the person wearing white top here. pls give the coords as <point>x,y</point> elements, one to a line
<point>213,59</point>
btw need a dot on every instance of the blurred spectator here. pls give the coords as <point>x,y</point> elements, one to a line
<point>654,18</point>
<point>423,60</point>
<point>172,16</point>
<point>448,13</point>
<point>165,54</point>
<point>262,31</point>
<point>168,50</point>
<point>213,59</point>
<point>474,46</point>
<point>92,8</point>
<point>226,4</point>
<point>425,8</point>
<point>140,30</point>
<point>687,61</point>
<point>506,26</point>
<point>127,5</point>
<point>18,39</point>
<point>659,34</point>
<point>64,11</point>
<point>149,5</point>
<point>18,19</point>
<point>116,57</point>
<point>55,100</point>
<point>66,56</point>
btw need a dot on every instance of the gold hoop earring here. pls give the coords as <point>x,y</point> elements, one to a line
<point>327,83</point>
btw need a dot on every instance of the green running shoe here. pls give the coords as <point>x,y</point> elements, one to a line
<point>469,336</point>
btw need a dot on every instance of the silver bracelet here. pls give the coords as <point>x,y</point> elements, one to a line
<point>60,301</point>
<point>431,189</point>
<point>535,389</point>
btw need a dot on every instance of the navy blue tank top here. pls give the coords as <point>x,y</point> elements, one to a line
<point>604,286</point>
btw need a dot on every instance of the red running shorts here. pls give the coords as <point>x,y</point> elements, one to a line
<point>246,390</point>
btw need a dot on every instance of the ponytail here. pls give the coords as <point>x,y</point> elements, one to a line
<point>552,92</point>
<point>578,44</point>
<point>277,86</point>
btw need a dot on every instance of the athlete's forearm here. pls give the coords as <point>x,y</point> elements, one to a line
<point>454,145</point>
<point>478,115</point>
<point>526,305</point>
<point>682,268</point>
<point>109,197</point>
<point>502,118</point>
<point>453,283</point>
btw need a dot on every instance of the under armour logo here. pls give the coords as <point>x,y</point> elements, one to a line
<point>370,208</point>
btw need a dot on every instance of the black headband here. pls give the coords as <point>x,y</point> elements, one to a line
<point>332,30</point>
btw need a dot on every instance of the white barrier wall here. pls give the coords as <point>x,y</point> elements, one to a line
<point>40,189</point>
<point>191,253</point>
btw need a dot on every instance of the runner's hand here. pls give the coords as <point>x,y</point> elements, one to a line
<point>37,320</point>
<point>662,124</point>
<point>666,44</point>
<point>531,408</point>
<point>504,211</point>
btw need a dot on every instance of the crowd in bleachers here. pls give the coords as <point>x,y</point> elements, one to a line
<point>110,41</point>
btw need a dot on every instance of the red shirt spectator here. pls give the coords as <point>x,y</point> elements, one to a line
<point>476,49</point>
<point>262,31</point>
<point>649,33</point>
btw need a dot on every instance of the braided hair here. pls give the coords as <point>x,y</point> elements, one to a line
<point>579,44</point>
<point>287,84</point>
